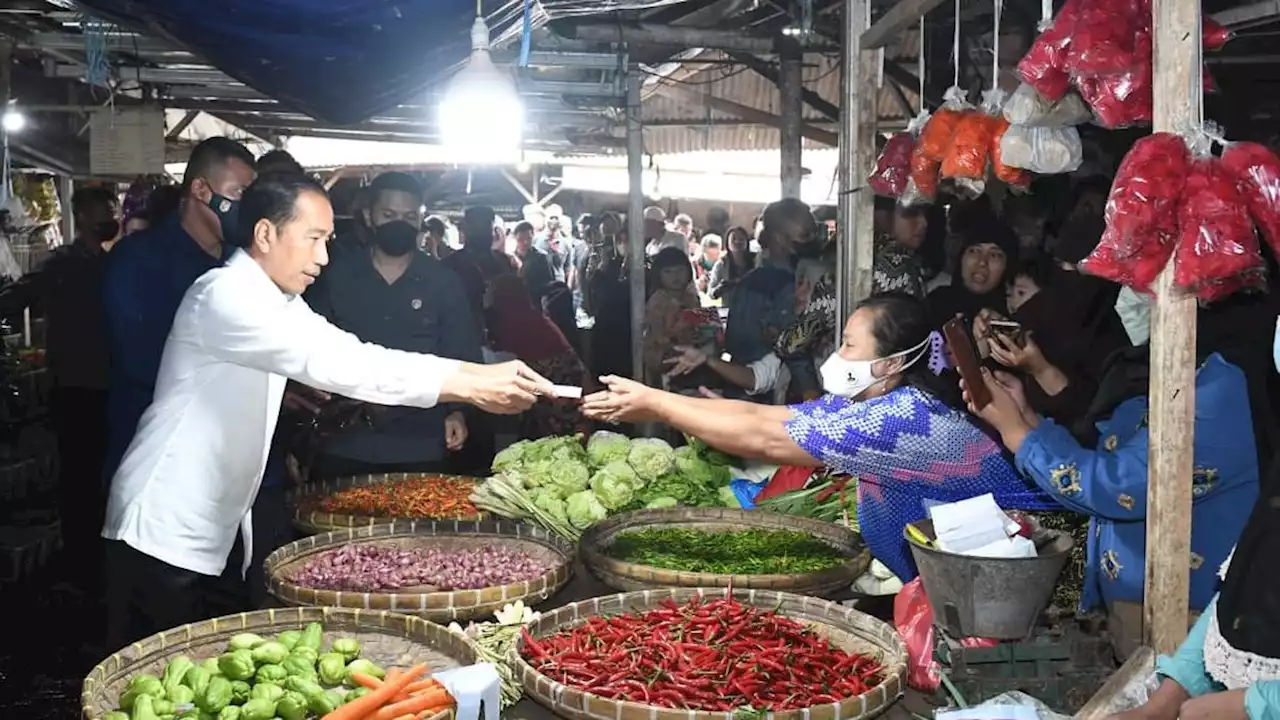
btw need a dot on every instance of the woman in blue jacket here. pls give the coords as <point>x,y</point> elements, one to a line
<point>1107,479</point>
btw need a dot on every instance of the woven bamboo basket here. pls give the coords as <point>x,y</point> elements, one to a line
<point>388,639</point>
<point>622,575</point>
<point>846,628</point>
<point>310,519</point>
<point>433,605</point>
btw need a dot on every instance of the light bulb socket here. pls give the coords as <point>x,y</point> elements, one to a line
<point>479,36</point>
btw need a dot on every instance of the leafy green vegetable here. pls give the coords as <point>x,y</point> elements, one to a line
<point>612,490</point>
<point>584,509</point>
<point>561,477</point>
<point>728,498</point>
<point>605,447</point>
<point>662,502</point>
<point>511,457</point>
<point>651,458</point>
<point>740,552</point>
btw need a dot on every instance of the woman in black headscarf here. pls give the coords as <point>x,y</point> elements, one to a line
<point>987,253</point>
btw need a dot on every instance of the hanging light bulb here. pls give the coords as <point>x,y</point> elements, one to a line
<point>481,115</point>
<point>13,120</point>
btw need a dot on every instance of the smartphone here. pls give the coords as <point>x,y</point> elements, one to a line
<point>1009,329</point>
<point>960,343</point>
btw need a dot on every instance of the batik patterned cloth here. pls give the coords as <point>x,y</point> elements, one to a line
<point>909,451</point>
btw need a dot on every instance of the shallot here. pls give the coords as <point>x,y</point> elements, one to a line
<point>369,568</point>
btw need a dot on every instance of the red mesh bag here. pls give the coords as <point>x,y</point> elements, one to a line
<point>1044,67</point>
<point>1213,34</point>
<point>1257,173</point>
<point>1104,263</point>
<point>935,139</point>
<point>1103,39</point>
<point>1016,178</point>
<point>970,145</point>
<point>924,175</point>
<point>1146,192</point>
<point>893,167</point>
<point>1217,249</point>
<point>1123,99</point>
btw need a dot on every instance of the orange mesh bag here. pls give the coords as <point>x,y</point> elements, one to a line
<point>1016,178</point>
<point>936,137</point>
<point>970,145</point>
<point>923,186</point>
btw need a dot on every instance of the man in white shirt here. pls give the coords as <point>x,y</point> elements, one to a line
<point>188,480</point>
<point>657,236</point>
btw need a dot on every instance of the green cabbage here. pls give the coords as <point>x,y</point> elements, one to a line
<point>698,471</point>
<point>651,458</point>
<point>728,498</point>
<point>605,447</point>
<point>511,457</point>
<point>585,510</point>
<point>665,501</point>
<point>551,504</point>
<point>614,491</point>
<point>555,449</point>
<point>673,486</point>
<point>564,477</point>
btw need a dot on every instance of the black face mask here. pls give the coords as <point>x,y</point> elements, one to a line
<point>807,250</point>
<point>396,238</point>
<point>105,230</point>
<point>228,212</point>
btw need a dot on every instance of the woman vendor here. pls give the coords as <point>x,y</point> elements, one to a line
<point>1106,478</point>
<point>886,418</point>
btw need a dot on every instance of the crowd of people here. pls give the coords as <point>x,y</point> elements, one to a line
<point>741,347</point>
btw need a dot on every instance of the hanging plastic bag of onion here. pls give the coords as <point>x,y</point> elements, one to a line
<point>1217,252</point>
<point>893,167</point>
<point>1257,173</point>
<point>1042,150</point>
<point>1026,107</point>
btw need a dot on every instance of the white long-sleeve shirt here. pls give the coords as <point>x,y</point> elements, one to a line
<point>191,474</point>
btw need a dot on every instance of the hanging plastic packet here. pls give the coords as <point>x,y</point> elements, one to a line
<point>1257,173</point>
<point>1217,252</point>
<point>1026,107</point>
<point>1103,40</point>
<point>1042,150</point>
<point>1044,67</point>
<point>1123,99</point>
<point>970,149</point>
<point>910,194</point>
<point>1015,177</point>
<point>1142,212</point>
<point>931,147</point>
<point>893,166</point>
<point>1214,34</point>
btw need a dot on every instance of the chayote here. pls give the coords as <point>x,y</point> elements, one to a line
<point>332,669</point>
<point>216,696</point>
<point>306,686</point>
<point>292,706</point>
<point>357,693</point>
<point>230,712</point>
<point>271,674</point>
<point>306,653</point>
<point>266,691</point>
<point>312,637</point>
<point>259,709</point>
<point>246,641</point>
<point>349,648</point>
<point>270,652</point>
<point>296,665</point>
<point>147,685</point>
<point>289,638</point>
<point>211,666</point>
<point>237,665</point>
<point>116,715</point>
<point>181,695</point>
<point>325,702</point>
<point>143,709</point>
<point>240,691</point>
<point>197,679</point>
<point>362,665</point>
<point>162,707</point>
<point>175,671</point>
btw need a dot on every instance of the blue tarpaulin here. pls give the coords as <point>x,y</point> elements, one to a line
<point>339,61</point>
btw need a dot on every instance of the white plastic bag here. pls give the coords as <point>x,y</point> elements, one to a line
<point>1026,107</point>
<point>1043,150</point>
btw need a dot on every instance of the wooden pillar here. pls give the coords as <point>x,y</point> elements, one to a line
<point>854,213</point>
<point>1176,35</point>
<point>635,221</point>
<point>790,92</point>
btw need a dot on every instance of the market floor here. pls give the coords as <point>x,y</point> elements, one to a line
<point>52,630</point>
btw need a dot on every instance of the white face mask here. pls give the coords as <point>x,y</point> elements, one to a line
<point>1134,310</point>
<point>850,378</point>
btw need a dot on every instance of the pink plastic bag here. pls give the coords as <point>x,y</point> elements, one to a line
<point>1044,67</point>
<point>913,618</point>
<point>1257,173</point>
<point>1103,39</point>
<point>1214,34</point>
<point>893,167</point>
<point>1217,251</point>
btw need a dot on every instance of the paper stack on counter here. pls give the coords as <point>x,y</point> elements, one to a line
<point>978,527</point>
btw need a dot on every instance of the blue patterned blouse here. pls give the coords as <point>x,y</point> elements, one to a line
<point>1110,484</point>
<point>909,451</point>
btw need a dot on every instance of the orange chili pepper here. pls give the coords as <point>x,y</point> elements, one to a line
<point>431,496</point>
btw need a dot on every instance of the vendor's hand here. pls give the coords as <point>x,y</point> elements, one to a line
<point>455,431</point>
<point>1027,356</point>
<point>303,398</point>
<point>623,401</point>
<point>1227,705</point>
<point>1163,704</point>
<point>1004,412</point>
<point>708,393</point>
<point>503,389</point>
<point>690,359</point>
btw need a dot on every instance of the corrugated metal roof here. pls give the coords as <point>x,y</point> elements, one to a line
<point>724,131</point>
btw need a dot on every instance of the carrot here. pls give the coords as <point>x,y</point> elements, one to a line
<point>419,686</point>
<point>429,712</point>
<point>393,673</point>
<point>366,681</point>
<point>362,706</point>
<point>415,704</point>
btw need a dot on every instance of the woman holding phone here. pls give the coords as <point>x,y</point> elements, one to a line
<point>886,417</point>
